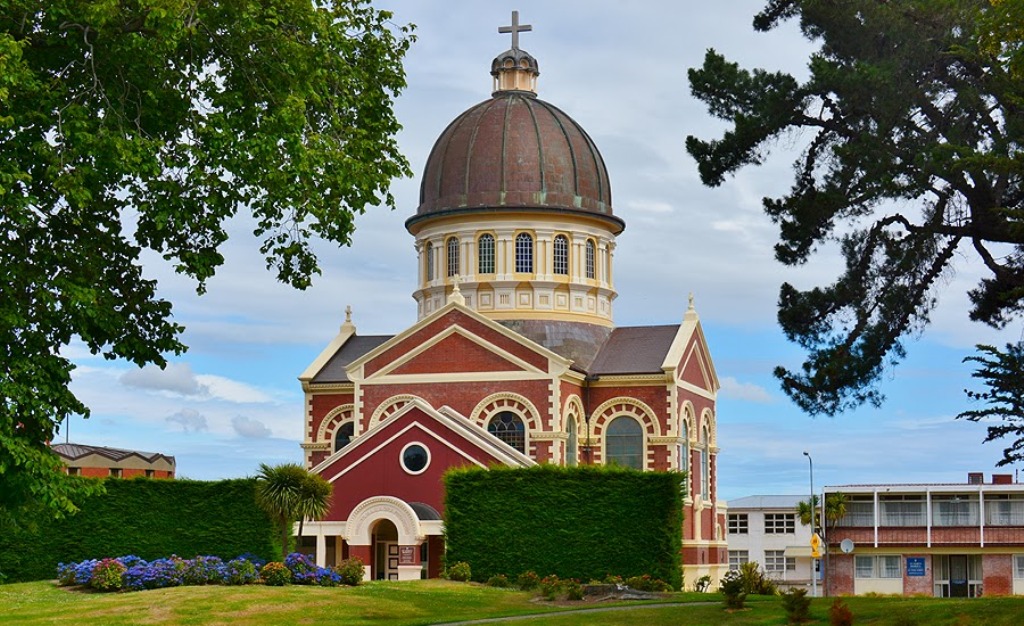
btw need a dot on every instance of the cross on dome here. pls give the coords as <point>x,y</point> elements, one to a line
<point>515,29</point>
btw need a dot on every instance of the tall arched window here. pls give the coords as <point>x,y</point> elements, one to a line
<point>590,258</point>
<point>524,253</point>
<point>684,453</point>
<point>624,443</point>
<point>343,436</point>
<point>561,260</point>
<point>429,252</point>
<point>572,444</point>
<point>453,256</point>
<point>509,427</point>
<point>485,254</point>
<point>705,465</point>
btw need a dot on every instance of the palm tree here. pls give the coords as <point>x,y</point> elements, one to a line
<point>804,509</point>
<point>835,508</point>
<point>289,493</point>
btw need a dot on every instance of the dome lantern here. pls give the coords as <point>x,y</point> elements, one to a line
<point>515,69</point>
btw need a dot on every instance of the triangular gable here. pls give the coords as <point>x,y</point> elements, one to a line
<point>445,426</point>
<point>507,350</point>
<point>455,350</point>
<point>690,359</point>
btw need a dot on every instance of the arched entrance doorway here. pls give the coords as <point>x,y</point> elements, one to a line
<point>385,551</point>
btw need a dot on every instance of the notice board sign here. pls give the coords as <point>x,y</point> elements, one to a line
<point>915,566</point>
<point>407,555</point>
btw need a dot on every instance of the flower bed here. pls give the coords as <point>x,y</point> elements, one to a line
<point>131,573</point>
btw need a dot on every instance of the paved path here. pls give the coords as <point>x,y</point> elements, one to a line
<point>603,609</point>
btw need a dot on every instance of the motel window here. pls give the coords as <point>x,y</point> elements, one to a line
<point>561,260</point>
<point>738,524</point>
<point>902,511</point>
<point>956,510</point>
<point>590,258</point>
<point>776,561</point>
<point>115,472</point>
<point>625,443</point>
<point>150,473</point>
<point>859,512</point>
<point>485,254</point>
<point>453,256</point>
<point>344,435</point>
<point>509,427</point>
<point>524,253</point>
<point>74,471</point>
<point>780,523</point>
<point>737,558</point>
<point>882,566</point>
<point>1018,566</point>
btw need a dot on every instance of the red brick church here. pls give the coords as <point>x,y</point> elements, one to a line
<point>515,358</point>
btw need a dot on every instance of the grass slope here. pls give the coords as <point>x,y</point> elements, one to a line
<point>435,602</point>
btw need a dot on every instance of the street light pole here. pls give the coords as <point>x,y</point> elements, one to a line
<point>814,515</point>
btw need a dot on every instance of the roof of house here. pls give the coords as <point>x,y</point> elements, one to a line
<point>74,451</point>
<point>634,350</point>
<point>334,370</point>
<point>767,502</point>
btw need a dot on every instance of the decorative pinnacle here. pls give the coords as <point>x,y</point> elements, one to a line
<point>515,29</point>
<point>456,294</point>
<point>348,325</point>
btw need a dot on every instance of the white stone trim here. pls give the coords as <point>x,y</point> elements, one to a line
<point>401,458</point>
<point>366,514</point>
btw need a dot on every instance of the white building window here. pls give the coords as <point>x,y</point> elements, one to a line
<point>882,566</point>
<point>590,258</point>
<point>779,523</point>
<point>902,511</point>
<point>776,561</point>
<point>453,257</point>
<point>1018,566</point>
<point>485,254</point>
<point>430,261</point>
<point>524,253</point>
<point>561,250</point>
<point>859,513</point>
<point>737,558</point>
<point>738,524</point>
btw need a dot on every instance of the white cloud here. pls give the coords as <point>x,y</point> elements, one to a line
<point>175,378</point>
<point>745,391</point>
<point>189,420</point>
<point>230,390</point>
<point>249,428</point>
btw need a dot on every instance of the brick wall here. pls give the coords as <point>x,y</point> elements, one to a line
<point>997,570</point>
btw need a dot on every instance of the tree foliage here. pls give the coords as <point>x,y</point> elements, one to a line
<point>1002,371</point>
<point>913,113</point>
<point>288,493</point>
<point>145,125</point>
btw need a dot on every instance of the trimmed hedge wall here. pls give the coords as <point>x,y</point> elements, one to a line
<point>576,522</point>
<point>148,518</point>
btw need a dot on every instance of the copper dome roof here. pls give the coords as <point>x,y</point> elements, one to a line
<point>515,152</point>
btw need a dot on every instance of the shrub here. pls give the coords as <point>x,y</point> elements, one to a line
<point>303,569</point>
<point>528,581</point>
<point>731,587</point>
<point>702,584</point>
<point>76,573</point>
<point>350,571</point>
<point>202,570</point>
<point>459,571</point>
<point>107,575</point>
<point>240,572</point>
<point>613,580</point>
<point>550,587</point>
<point>275,574</point>
<point>499,580</point>
<point>757,582</point>
<point>573,589</point>
<point>840,614</point>
<point>797,605</point>
<point>646,583</point>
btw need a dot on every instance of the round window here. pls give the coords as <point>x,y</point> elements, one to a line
<point>415,458</point>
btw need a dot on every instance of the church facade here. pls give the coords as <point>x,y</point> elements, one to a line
<point>515,358</point>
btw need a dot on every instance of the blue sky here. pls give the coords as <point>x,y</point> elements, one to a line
<point>619,69</point>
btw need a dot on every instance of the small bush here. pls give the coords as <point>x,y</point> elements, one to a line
<point>646,583</point>
<point>275,574</point>
<point>840,614</point>
<point>756,581</point>
<point>240,572</point>
<point>460,572</point>
<point>499,580</point>
<point>351,571</point>
<point>528,581</point>
<point>573,589</point>
<point>613,580</point>
<point>732,588</point>
<point>303,569</point>
<point>202,570</point>
<point>107,575</point>
<point>797,605</point>
<point>550,587</point>
<point>702,584</point>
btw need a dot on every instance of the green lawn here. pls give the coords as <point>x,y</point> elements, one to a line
<point>435,602</point>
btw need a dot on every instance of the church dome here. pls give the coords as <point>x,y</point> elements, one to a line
<point>515,152</point>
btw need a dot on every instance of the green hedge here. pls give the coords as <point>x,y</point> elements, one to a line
<point>145,517</point>
<point>576,522</point>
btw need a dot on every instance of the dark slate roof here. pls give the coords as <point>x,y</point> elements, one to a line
<point>634,350</point>
<point>334,370</point>
<point>573,340</point>
<point>75,451</point>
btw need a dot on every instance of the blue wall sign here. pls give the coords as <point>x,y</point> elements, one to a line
<point>915,566</point>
